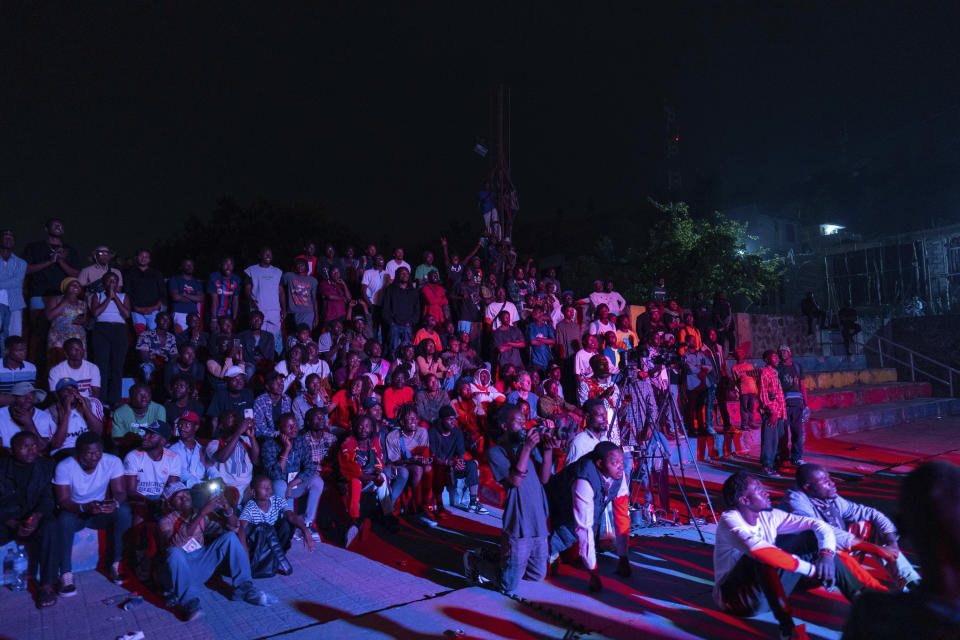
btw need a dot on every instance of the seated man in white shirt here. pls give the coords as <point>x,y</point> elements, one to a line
<point>73,414</point>
<point>578,496</point>
<point>761,554</point>
<point>77,367</point>
<point>151,467</point>
<point>23,415</point>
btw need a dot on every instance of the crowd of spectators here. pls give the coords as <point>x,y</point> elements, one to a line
<point>257,395</point>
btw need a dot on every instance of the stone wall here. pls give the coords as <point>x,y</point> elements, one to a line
<point>759,332</point>
<point>937,337</point>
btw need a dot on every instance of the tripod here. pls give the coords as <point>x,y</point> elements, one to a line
<point>630,384</point>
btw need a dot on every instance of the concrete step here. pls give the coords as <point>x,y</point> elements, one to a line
<point>830,422</point>
<point>866,394</point>
<point>812,363</point>
<point>823,380</point>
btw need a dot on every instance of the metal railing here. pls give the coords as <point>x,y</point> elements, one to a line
<point>911,362</point>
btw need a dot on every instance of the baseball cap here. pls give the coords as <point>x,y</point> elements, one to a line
<point>25,387</point>
<point>160,428</point>
<point>784,347</point>
<point>233,371</point>
<point>447,411</point>
<point>172,489</point>
<point>189,416</point>
<point>63,383</point>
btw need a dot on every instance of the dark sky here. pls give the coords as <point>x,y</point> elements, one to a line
<point>123,117</point>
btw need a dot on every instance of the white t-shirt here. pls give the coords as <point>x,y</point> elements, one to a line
<point>321,368</point>
<point>8,428</point>
<point>495,308</point>
<point>735,538</point>
<point>86,487</point>
<point>266,286</point>
<point>614,301</point>
<point>77,424</point>
<point>392,266</point>
<point>151,474</point>
<point>237,471</point>
<point>373,283</point>
<point>88,375</point>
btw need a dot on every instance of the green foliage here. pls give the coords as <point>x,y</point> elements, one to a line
<point>692,255</point>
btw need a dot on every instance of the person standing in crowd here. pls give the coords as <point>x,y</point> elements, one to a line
<point>745,379</point>
<point>147,292</point>
<point>223,287</point>
<point>773,412</point>
<point>265,293</point>
<point>186,295</point>
<point>49,261</point>
<point>108,338</point>
<point>68,316</point>
<point>401,308</point>
<point>396,263</point>
<point>91,276</point>
<point>795,396</point>
<point>13,270</point>
<point>301,295</point>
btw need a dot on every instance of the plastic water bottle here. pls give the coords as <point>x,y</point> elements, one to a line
<point>19,574</point>
<point>8,566</point>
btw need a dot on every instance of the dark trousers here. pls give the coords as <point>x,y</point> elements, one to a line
<point>794,430</point>
<point>770,433</point>
<point>754,587</point>
<point>41,547</point>
<point>68,523</point>
<point>748,408</point>
<point>696,401</point>
<point>108,341</point>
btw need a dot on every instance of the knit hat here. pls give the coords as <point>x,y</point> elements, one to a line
<point>447,411</point>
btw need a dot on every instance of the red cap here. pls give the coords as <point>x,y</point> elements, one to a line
<point>189,416</point>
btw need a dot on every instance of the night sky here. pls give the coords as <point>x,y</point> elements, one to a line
<point>123,117</point>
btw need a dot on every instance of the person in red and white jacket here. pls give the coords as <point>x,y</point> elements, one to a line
<point>761,554</point>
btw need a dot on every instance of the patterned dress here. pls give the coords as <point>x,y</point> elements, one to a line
<point>62,328</point>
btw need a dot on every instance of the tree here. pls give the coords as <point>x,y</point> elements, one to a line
<point>692,255</point>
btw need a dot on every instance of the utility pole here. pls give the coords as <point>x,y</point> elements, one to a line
<point>500,181</point>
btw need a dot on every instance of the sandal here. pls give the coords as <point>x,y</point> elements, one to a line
<point>46,598</point>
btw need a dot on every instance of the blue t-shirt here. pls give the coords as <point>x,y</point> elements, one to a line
<point>182,285</point>
<point>225,288</point>
<point>540,354</point>
<point>532,401</point>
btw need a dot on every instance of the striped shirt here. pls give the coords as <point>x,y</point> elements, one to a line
<point>254,515</point>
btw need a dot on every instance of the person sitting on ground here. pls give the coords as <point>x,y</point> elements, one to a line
<point>235,397</point>
<point>270,405</point>
<point>141,411</point>
<point>451,469</point>
<point>198,542</point>
<point>522,463</point>
<point>815,496</point>
<point>409,446</point>
<point>27,509</point>
<point>762,553</point>
<point>234,454</point>
<point>929,507</point>
<point>156,347</point>
<point>80,484</point>
<point>78,368</point>
<point>23,415</point>
<point>288,461</point>
<point>14,368</point>
<point>73,414</point>
<point>266,530</point>
<point>579,495</point>
<point>362,465</point>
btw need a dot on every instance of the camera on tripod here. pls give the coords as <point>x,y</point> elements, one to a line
<point>664,357</point>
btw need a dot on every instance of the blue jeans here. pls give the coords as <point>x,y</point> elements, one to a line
<point>68,523</point>
<point>189,571</point>
<point>312,487</point>
<point>794,430</point>
<point>399,334</point>
<point>522,558</point>
<point>142,322</point>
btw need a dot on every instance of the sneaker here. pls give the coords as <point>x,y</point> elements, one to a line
<point>259,598</point>
<point>478,508</point>
<point>284,567</point>
<point>114,576</point>
<point>797,462</point>
<point>67,588</point>
<point>314,533</point>
<point>471,566</point>
<point>770,473</point>
<point>298,536</point>
<point>190,610</point>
